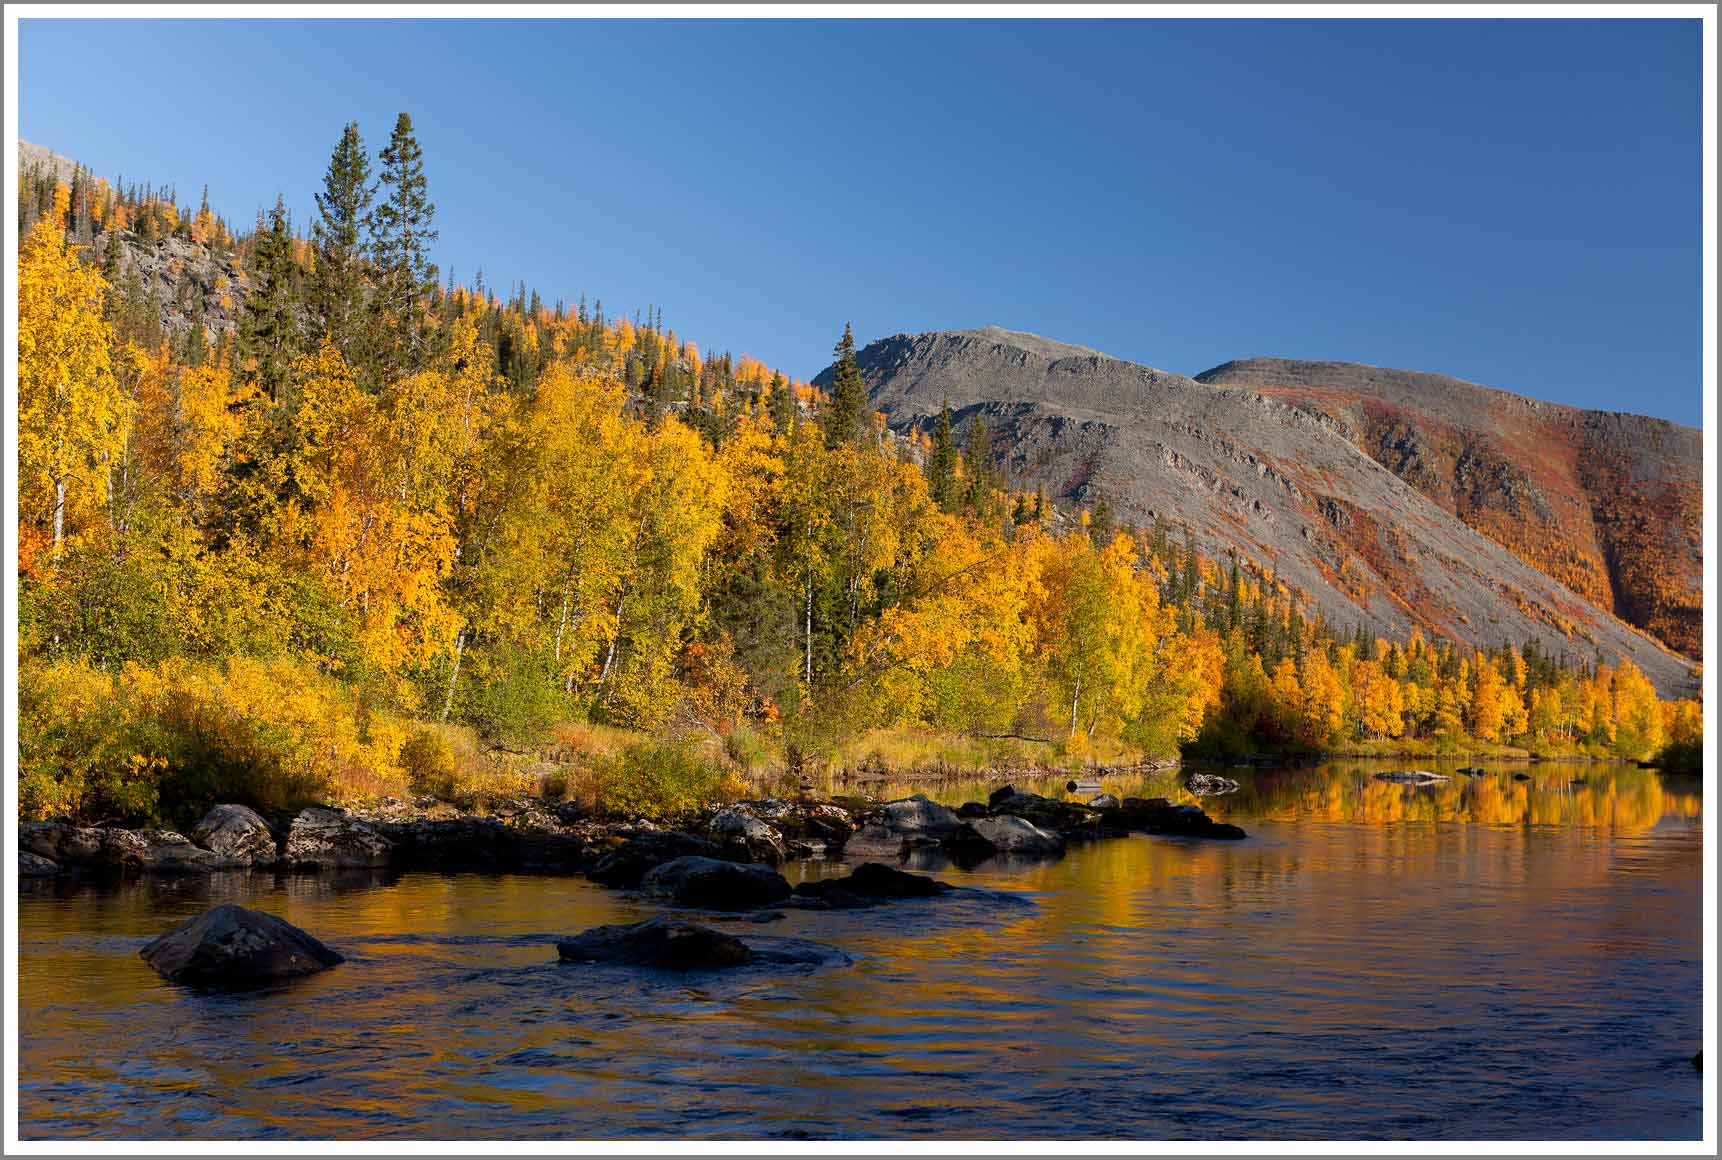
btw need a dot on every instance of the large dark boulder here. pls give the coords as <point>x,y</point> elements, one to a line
<point>1047,813</point>
<point>323,838</point>
<point>238,834</point>
<point>231,946</point>
<point>35,866</point>
<point>626,865</point>
<point>1011,836</point>
<point>1000,794</point>
<point>715,885</point>
<point>1159,816</point>
<point>917,817</point>
<point>658,942</point>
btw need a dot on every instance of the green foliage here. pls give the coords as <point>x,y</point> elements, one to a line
<point>846,412</point>
<point>430,764</point>
<point>511,697</point>
<point>660,780</point>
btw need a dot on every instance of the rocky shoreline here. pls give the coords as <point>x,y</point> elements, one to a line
<point>531,836</point>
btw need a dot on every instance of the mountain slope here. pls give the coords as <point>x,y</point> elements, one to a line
<point>1609,504</point>
<point>1282,482</point>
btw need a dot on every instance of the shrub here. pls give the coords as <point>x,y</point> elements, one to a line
<point>659,779</point>
<point>511,699</point>
<point>429,762</point>
<point>747,749</point>
<point>78,755</point>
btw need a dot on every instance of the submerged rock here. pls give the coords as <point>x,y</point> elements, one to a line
<point>231,946</point>
<point>330,838</point>
<point>236,833</point>
<point>714,884</point>
<point>1412,777</point>
<point>658,942</point>
<point>867,884</point>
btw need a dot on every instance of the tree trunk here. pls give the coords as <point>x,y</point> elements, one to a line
<point>1075,698</point>
<point>459,649</point>
<point>809,634</point>
<point>59,515</point>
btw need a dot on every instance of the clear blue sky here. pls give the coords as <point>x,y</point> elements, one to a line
<point>1513,202</point>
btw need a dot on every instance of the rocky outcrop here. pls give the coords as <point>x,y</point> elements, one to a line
<point>110,850</point>
<point>712,884</point>
<point>238,834</point>
<point>893,828</point>
<point>231,946</point>
<point>322,838</point>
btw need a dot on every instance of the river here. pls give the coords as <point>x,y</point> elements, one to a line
<point>1487,959</point>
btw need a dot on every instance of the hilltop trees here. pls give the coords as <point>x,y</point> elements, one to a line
<point>845,419</point>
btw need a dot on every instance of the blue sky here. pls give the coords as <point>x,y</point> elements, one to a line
<point>1513,202</point>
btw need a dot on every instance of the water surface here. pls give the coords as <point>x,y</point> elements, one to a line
<point>1490,959</point>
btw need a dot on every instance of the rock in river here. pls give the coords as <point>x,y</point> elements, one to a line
<point>238,834</point>
<point>1412,777</point>
<point>745,837</point>
<point>231,946</point>
<point>867,884</point>
<point>676,944</point>
<point>715,885</point>
<point>1159,816</point>
<point>1209,785</point>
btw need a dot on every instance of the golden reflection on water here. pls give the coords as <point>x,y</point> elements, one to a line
<point>1532,971</point>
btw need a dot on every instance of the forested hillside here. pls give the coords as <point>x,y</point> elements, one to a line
<point>301,521</point>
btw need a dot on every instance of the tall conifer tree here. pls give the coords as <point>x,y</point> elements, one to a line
<point>339,286</point>
<point>401,236</point>
<point>846,413</point>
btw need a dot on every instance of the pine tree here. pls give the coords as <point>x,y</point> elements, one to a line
<point>978,466</point>
<point>942,463</point>
<point>845,413</point>
<point>777,402</point>
<point>343,208</point>
<point>269,328</point>
<point>401,236</point>
<point>1100,524</point>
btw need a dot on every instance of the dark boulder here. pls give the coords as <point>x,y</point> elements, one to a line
<point>1159,816</point>
<point>971,810</point>
<point>1521,777</point>
<point>1104,801</point>
<point>625,866</point>
<point>35,866</point>
<point>231,946</point>
<point>658,942</point>
<point>1011,836</point>
<point>715,885</point>
<point>238,834</point>
<point>1062,817</point>
<point>1000,794</point>
<point>874,840</point>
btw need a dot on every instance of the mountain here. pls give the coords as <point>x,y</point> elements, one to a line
<point>1282,481</point>
<point>1609,504</point>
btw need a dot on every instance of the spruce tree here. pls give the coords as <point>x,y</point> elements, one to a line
<point>845,413</point>
<point>978,466</point>
<point>343,208</point>
<point>942,463</point>
<point>777,402</point>
<point>401,236</point>
<point>269,327</point>
<point>1100,523</point>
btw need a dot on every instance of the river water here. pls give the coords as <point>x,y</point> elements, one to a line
<point>1489,959</point>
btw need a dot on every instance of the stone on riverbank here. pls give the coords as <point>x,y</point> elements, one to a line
<point>626,865</point>
<point>715,885</point>
<point>746,838</point>
<point>231,946</point>
<point>103,849</point>
<point>238,834</point>
<point>981,838</point>
<point>333,839</point>
<point>35,866</point>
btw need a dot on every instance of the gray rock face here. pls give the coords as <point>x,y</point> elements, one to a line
<point>1282,483</point>
<point>715,885</point>
<point>746,838</point>
<point>327,838</point>
<point>107,849</point>
<point>874,841</point>
<point>231,946</point>
<point>1209,785</point>
<point>1008,835</point>
<point>236,833</point>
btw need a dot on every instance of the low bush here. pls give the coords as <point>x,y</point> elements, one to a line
<point>658,780</point>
